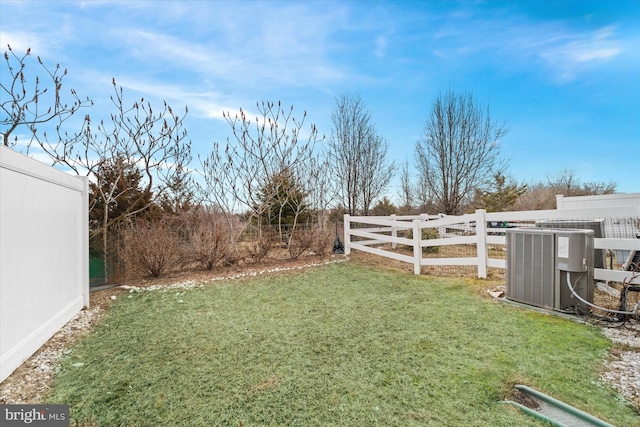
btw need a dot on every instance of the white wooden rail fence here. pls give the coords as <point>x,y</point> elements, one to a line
<point>374,234</point>
<point>44,254</point>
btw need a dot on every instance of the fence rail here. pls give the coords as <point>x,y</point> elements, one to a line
<point>482,231</point>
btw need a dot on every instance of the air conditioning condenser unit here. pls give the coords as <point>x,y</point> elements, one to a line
<point>541,263</point>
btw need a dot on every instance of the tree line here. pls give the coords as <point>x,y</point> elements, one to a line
<point>275,180</point>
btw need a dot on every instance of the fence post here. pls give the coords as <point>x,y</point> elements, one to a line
<point>84,250</point>
<point>417,246</point>
<point>347,235</point>
<point>394,232</point>
<point>559,198</point>
<point>481,245</point>
<point>442,230</point>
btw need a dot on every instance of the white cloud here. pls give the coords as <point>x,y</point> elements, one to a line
<point>564,51</point>
<point>20,42</point>
<point>204,104</point>
<point>573,54</point>
<point>286,45</point>
<point>599,45</point>
<point>178,53</point>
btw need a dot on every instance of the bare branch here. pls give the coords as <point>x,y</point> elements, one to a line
<point>22,99</point>
<point>237,175</point>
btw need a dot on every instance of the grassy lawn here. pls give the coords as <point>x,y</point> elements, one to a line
<point>344,344</point>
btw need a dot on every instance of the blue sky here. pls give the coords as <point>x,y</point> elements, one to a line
<point>564,75</point>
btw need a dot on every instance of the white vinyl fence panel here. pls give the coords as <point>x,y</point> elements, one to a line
<point>44,279</point>
<point>603,200</point>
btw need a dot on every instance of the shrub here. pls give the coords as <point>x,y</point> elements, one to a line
<point>150,248</point>
<point>209,242</point>
<point>427,234</point>
<point>259,247</point>
<point>300,241</point>
<point>209,246</point>
<point>322,242</point>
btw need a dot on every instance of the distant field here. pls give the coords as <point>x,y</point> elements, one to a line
<point>344,344</point>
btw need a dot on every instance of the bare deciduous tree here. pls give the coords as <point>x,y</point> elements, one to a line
<point>542,195</point>
<point>359,154</point>
<point>26,101</point>
<point>136,139</point>
<point>236,177</point>
<point>458,152</point>
<point>407,197</point>
<point>567,183</point>
<point>320,184</point>
<point>153,143</point>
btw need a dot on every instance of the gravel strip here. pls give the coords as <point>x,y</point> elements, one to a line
<point>623,367</point>
<point>191,284</point>
<point>30,383</point>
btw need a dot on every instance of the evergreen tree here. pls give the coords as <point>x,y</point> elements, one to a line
<point>179,195</point>
<point>503,195</point>
<point>116,194</point>
<point>384,208</point>
<point>283,201</point>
